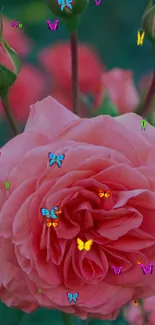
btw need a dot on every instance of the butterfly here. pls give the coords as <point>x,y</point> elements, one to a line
<point>87,245</point>
<point>140,38</point>
<point>65,3</point>
<point>117,270</point>
<point>107,193</point>
<point>72,297</point>
<point>51,217</point>
<point>147,269</point>
<point>53,159</point>
<point>139,261</point>
<point>135,303</point>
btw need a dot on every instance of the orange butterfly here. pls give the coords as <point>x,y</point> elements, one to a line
<point>59,212</point>
<point>135,303</point>
<point>49,222</point>
<point>139,261</point>
<point>107,193</point>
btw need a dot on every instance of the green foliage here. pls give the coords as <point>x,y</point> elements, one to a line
<point>8,77</point>
<point>107,107</point>
<point>9,316</point>
<point>43,316</point>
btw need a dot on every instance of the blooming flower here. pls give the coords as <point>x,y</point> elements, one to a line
<point>40,265</point>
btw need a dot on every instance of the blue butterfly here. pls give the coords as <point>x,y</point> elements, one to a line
<point>65,3</point>
<point>72,297</point>
<point>53,159</point>
<point>49,214</point>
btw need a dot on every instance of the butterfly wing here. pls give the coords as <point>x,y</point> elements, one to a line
<point>101,193</point>
<point>53,214</point>
<point>75,296</point>
<point>51,155</point>
<point>60,159</point>
<point>45,212</point>
<point>70,296</point>
<point>142,37</point>
<point>56,223</point>
<point>68,2</point>
<point>107,194</point>
<point>48,222</point>
<point>59,212</point>
<point>80,244</point>
<point>88,245</point>
<point>52,158</point>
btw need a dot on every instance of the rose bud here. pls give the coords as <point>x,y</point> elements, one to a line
<point>78,7</point>
<point>9,64</point>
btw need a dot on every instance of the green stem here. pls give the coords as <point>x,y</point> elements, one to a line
<point>9,114</point>
<point>74,56</point>
<point>147,102</point>
<point>149,3</point>
<point>68,319</point>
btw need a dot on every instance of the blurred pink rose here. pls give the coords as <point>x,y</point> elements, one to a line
<point>145,81</point>
<point>16,37</point>
<point>57,61</point>
<point>121,89</point>
<point>101,152</point>
<point>136,315</point>
<point>28,88</point>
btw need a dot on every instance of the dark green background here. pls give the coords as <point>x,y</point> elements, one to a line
<point>111,28</point>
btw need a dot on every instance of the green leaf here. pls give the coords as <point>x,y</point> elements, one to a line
<point>107,107</point>
<point>7,78</point>
<point>10,316</point>
<point>13,56</point>
<point>42,316</point>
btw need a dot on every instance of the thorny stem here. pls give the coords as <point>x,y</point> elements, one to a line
<point>9,114</point>
<point>74,56</point>
<point>146,105</point>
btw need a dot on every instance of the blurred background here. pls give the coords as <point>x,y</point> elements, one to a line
<point>108,58</point>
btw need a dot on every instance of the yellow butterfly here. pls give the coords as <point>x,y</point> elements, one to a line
<point>140,38</point>
<point>87,245</point>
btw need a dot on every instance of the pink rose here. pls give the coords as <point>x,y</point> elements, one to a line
<point>136,315</point>
<point>57,61</point>
<point>121,89</point>
<point>101,152</point>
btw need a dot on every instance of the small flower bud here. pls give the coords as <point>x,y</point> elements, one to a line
<point>148,23</point>
<point>9,64</point>
<point>78,7</point>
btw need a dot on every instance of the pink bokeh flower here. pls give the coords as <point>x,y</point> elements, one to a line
<point>101,152</point>
<point>16,37</point>
<point>138,316</point>
<point>57,61</point>
<point>121,89</point>
<point>27,89</point>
